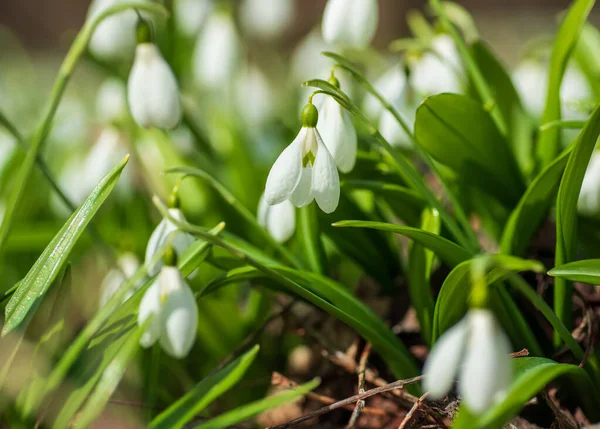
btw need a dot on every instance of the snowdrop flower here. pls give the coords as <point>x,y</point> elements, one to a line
<point>307,61</point>
<point>217,51</point>
<point>189,15</point>
<point>391,85</point>
<point>391,130</point>
<point>162,235</point>
<point>279,219</point>
<point>477,350</point>
<point>114,38</point>
<point>111,101</point>
<point>152,90</point>
<point>127,264</point>
<point>350,22</point>
<point>266,19</point>
<point>305,170</point>
<point>338,133</point>
<point>588,203</point>
<point>172,305</point>
<point>438,70</point>
<point>254,85</point>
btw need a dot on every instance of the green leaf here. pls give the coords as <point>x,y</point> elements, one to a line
<point>420,263</point>
<point>255,408</point>
<point>532,375</point>
<point>449,252</point>
<point>457,132</point>
<point>532,208</point>
<point>244,213</point>
<point>566,211</point>
<point>205,393</point>
<point>309,236</point>
<point>586,271</point>
<point>41,275</point>
<point>564,43</point>
<point>111,376</point>
<point>520,126</point>
<point>587,55</point>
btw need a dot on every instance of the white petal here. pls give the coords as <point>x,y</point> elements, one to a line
<point>303,195</point>
<point>338,134</point>
<point>350,22</point>
<point>392,131</point>
<point>189,15</point>
<point>444,360</point>
<point>110,285</point>
<point>325,178</point>
<point>180,323</point>
<point>286,171</point>
<point>150,305</point>
<point>391,85</point>
<point>152,90</point>
<point>111,100</point>
<point>159,238</point>
<point>282,221</point>
<point>486,370</point>
<point>266,18</point>
<point>530,79</point>
<point>216,54</point>
<point>114,37</point>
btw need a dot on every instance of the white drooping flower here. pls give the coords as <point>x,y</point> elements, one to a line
<point>588,203</point>
<point>307,61</point>
<point>476,350</point>
<point>172,305</point>
<point>305,170</point>
<point>161,236</point>
<point>114,39</point>
<point>350,23</point>
<point>217,52</point>
<point>152,90</point>
<point>111,101</point>
<point>438,70</point>
<point>279,219</point>
<point>253,85</point>
<point>266,19</point>
<point>189,15</point>
<point>338,134</point>
<point>127,265</point>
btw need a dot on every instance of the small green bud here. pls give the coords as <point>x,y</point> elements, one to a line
<point>174,202</point>
<point>143,32</point>
<point>334,81</point>
<point>169,257</point>
<point>310,116</point>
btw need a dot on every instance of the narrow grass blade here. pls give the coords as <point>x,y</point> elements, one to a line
<point>309,236</point>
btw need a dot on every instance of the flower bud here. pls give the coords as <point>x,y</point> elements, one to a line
<point>310,116</point>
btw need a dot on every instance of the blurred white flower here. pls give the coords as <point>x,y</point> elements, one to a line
<point>217,52</point>
<point>266,19</point>
<point>477,350</point>
<point>338,133</point>
<point>391,85</point>
<point>152,90</point>
<point>588,203</point>
<point>189,15</point>
<point>391,130</point>
<point>172,305</point>
<point>279,219</point>
<point>111,101</point>
<point>70,124</point>
<point>114,39</point>
<point>254,97</point>
<point>127,264</point>
<point>161,236</point>
<point>439,69</point>
<point>350,22</point>
<point>307,61</point>
<point>305,170</point>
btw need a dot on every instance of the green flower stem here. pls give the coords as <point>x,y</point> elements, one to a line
<point>40,162</point>
<point>66,70</point>
<point>476,76</point>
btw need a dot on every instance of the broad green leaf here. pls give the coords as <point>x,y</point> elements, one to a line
<point>586,271</point>
<point>309,237</point>
<point>533,206</point>
<point>565,41</point>
<point>111,376</point>
<point>520,126</point>
<point>566,211</point>
<point>457,132</point>
<point>334,299</point>
<point>255,408</point>
<point>41,275</point>
<point>420,263</point>
<point>405,203</point>
<point>532,375</point>
<point>204,393</point>
<point>449,252</point>
<point>244,213</point>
